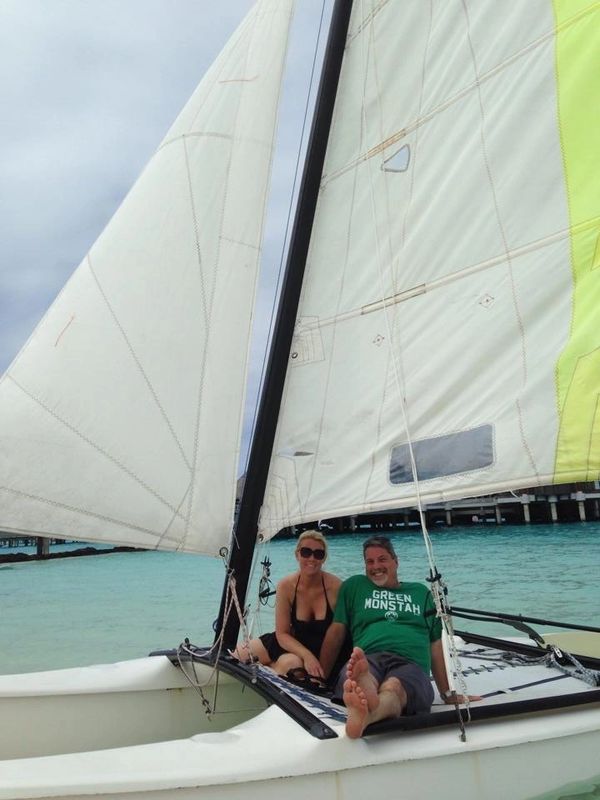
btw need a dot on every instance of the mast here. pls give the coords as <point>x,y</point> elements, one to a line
<point>240,559</point>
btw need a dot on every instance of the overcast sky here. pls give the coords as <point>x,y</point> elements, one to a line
<point>88,88</point>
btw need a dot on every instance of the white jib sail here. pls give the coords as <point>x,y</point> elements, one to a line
<point>439,274</point>
<point>120,421</point>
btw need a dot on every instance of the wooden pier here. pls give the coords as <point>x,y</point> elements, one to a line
<point>543,504</point>
<point>572,502</point>
<point>41,544</point>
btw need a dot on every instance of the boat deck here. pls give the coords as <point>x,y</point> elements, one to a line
<point>507,675</point>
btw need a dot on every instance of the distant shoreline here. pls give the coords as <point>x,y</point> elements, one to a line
<point>81,551</point>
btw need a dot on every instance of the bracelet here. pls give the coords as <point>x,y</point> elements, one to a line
<point>448,693</point>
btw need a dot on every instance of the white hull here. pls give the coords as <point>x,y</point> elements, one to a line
<point>137,729</point>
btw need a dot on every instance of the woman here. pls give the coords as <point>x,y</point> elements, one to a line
<point>304,605</point>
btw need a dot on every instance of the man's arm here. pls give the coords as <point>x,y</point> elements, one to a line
<point>440,675</point>
<point>332,644</point>
<point>438,668</point>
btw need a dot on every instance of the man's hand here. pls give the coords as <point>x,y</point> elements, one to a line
<point>438,670</point>
<point>453,699</point>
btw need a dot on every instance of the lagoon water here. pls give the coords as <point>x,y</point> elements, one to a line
<point>103,608</point>
<point>97,609</point>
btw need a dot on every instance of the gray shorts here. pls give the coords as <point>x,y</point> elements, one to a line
<point>416,683</point>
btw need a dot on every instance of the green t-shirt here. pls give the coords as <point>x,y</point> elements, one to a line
<point>391,620</point>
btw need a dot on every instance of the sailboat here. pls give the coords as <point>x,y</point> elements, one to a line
<point>436,339</point>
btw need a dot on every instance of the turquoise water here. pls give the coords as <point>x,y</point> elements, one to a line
<point>71,612</point>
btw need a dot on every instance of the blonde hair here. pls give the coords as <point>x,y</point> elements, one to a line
<point>312,534</point>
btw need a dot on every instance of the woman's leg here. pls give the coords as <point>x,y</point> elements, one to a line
<point>254,650</point>
<point>286,662</point>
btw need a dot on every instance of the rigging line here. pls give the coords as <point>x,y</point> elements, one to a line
<point>252,614</point>
<point>343,276</point>
<point>262,445</point>
<point>412,174</point>
<point>521,618</point>
<point>414,150</point>
<point>439,601</point>
<point>288,223</point>
<point>265,199</point>
<point>364,133</point>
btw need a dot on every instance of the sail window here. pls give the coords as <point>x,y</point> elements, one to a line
<point>464,451</point>
<point>399,161</point>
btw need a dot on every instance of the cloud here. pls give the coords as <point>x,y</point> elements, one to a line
<point>88,90</point>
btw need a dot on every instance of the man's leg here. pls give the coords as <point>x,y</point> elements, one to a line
<point>365,700</point>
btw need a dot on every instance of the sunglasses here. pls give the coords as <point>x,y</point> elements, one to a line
<point>307,552</point>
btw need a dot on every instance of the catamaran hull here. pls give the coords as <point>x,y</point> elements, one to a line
<point>253,751</point>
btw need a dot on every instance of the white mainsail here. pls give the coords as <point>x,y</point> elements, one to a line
<point>120,420</point>
<point>450,293</point>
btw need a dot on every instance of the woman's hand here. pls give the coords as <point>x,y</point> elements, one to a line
<point>313,666</point>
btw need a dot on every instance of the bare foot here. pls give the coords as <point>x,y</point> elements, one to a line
<point>358,711</point>
<point>357,664</point>
<point>358,671</point>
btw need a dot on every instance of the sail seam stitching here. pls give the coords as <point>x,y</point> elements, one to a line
<point>517,310</point>
<point>589,469</point>
<point>420,121</point>
<point>391,360</point>
<point>251,24</point>
<point>92,444</point>
<point>77,510</point>
<point>177,513</point>
<point>239,35</point>
<point>137,361</point>
<point>206,319</point>
<point>226,137</point>
<point>368,20</point>
<point>427,288</point>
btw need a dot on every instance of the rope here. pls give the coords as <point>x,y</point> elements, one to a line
<point>438,588</point>
<point>231,601</point>
<point>552,658</point>
<point>288,220</point>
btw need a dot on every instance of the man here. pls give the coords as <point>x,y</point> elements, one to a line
<point>397,642</point>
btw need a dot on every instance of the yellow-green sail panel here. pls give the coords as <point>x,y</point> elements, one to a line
<point>578,368</point>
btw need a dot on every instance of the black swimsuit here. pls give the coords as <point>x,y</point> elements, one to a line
<point>309,632</point>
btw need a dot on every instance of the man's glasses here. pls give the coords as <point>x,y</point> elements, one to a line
<point>307,552</point>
